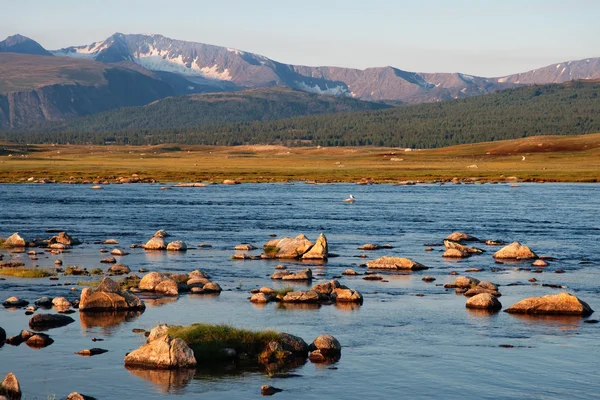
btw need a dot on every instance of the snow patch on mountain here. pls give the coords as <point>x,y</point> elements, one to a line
<point>161,60</point>
<point>333,91</point>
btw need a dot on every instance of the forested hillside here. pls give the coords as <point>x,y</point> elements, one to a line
<point>565,109</point>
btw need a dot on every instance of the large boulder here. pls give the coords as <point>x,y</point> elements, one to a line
<point>302,297</point>
<point>10,387</point>
<point>261,298</point>
<point>483,287</point>
<point>395,263</point>
<point>156,243</point>
<point>484,301</point>
<point>2,336</point>
<point>64,238</point>
<point>319,251</point>
<point>157,282</point>
<point>305,275</point>
<point>161,233</point>
<point>39,340</point>
<point>293,344</point>
<point>41,322</point>
<point>119,269</point>
<point>109,296</point>
<point>516,251</point>
<point>461,237</point>
<point>163,352</point>
<point>287,248</point>
<point>15,240</point>
<point>552,304</point>
<point>177,245</point>
<point>327,345</point>
<point>455,253</point>
<point>61,303</point>
<point>346,295</point>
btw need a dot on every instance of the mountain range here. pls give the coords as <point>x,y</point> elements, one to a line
<point>168,67</point>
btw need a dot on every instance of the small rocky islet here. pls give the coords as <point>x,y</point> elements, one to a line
<point>173,347</point>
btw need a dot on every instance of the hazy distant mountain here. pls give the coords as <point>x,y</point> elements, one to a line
<point>212,109</point>
<point>23,45</point>
<point>229,69</point>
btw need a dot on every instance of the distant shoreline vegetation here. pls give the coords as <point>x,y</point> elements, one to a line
<point>572,108</point>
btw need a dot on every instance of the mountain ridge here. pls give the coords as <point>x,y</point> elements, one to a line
<point>233,69</point>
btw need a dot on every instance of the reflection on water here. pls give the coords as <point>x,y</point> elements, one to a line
<point>108,321</point>
<point>480,313</point>
<point>158,301</point>
<point>563,322</point>
<point>297,306</point>
<point>347,306</point>
<point>166,381</point>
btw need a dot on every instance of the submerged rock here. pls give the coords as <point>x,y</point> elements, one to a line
<point>79,396</point>
<point>516,251</point>
<point>91,352</point>
<point>461,237</point>
<point>39,340</point>
<point>109,296</point>
<point>244,247</point>
<point>397,263</point>
<point>262,298</point>
<point>14,302</point>
<point>267,390</point>
<point>455,253</point>
<point>552,304</point>
<point>463,282</point>
<point>49,321</point>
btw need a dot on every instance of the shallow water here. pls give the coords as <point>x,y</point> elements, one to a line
<point>395,344</point>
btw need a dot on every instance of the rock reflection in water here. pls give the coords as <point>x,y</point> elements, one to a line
<point>481,313</point>
<point>297,306</point>
<point>158,301</point>
<point>166,381</point>
<point>563,322</point>
<point>347,306</point>
<point>107,320</point>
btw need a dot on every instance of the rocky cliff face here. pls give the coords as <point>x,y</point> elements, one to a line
<point>59,94</point>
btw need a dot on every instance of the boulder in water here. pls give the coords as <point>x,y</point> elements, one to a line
<point>397,263</point>
<point>319,251</point>
<point>109,296</point>
<point>552,304</point>
<point>15,240</point>
<point>515,251</point>
<point>484,301</point>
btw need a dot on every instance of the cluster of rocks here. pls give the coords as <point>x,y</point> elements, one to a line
<point>62,241</point>
<point>296,248</point>
<point>162,351</point>
<point>196,282</point>
<point>324,293</point>
<point>157,242</point>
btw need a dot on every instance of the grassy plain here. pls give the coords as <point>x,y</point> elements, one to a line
<point>548,158</point>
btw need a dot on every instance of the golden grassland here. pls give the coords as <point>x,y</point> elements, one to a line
<point>548,158</point>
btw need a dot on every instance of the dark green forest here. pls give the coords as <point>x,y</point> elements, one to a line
<point>565,109</point>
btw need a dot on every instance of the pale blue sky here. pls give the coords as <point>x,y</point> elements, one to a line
<point>486,38</point>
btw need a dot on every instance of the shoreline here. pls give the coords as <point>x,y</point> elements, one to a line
<point>573,159</point>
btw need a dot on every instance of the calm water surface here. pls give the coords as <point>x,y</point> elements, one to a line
<point>395,345</point>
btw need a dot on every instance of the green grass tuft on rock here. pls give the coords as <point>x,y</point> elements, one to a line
<point>208,341</point>
<point>284,291</point>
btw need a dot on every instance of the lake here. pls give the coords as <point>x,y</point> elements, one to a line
<point>397,344</point>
